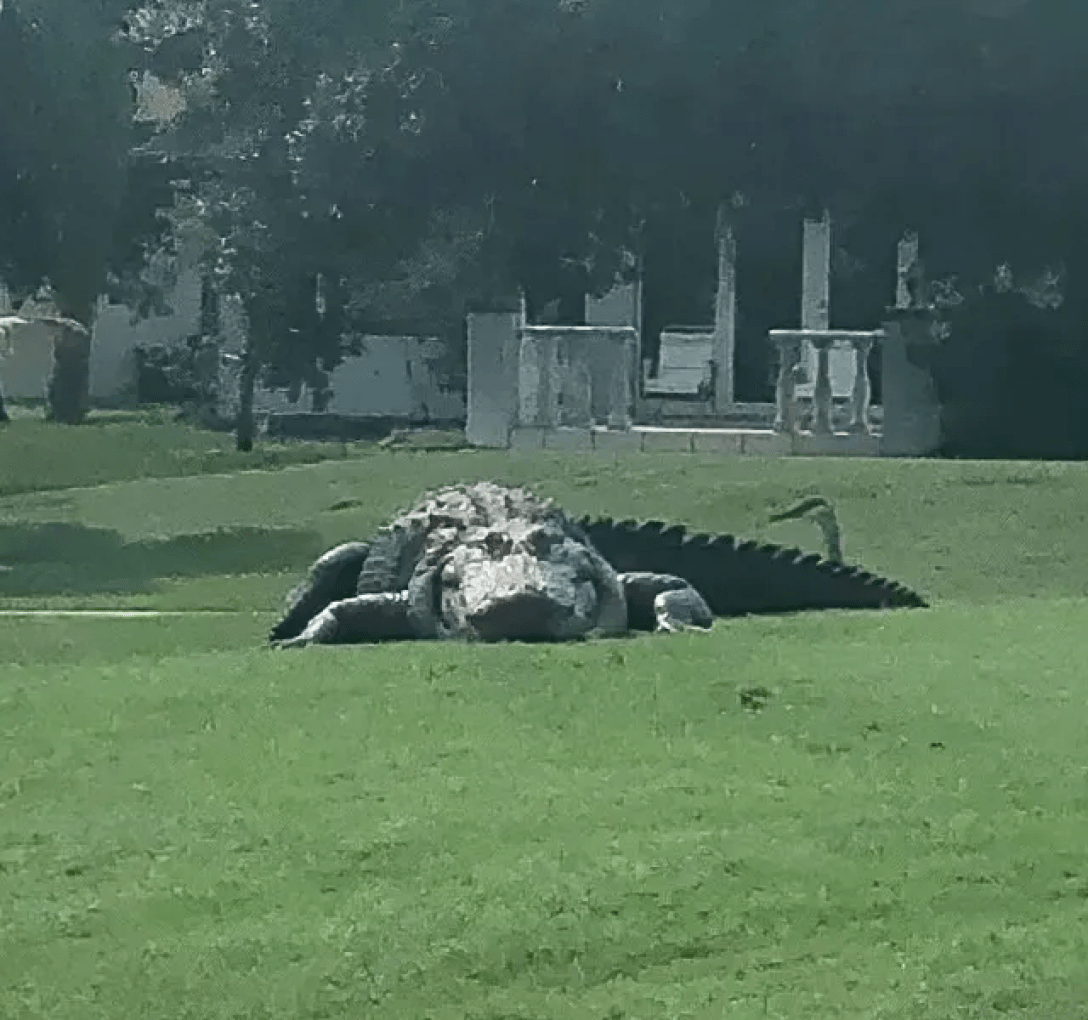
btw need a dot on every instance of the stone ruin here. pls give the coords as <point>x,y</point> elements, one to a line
<point>586,387</point>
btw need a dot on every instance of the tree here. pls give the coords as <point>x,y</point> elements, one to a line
<point>257,85</point>
<point>431,156</point>
<point>66,178</point>
<point>65,132</point>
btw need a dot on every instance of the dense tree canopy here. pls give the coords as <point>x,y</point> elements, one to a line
<point>65,133</point>
<point>404,158</point>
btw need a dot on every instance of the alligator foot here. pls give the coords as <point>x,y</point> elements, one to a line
<point>682,609</point>
<point>664,602</point>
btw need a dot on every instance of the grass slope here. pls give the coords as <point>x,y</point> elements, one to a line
<point>977,532</point>
<point>194,829</point>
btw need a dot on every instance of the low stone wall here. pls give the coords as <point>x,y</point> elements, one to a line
<point>344,427</point>
<point>732,442</point>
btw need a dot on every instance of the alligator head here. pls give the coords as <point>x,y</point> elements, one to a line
<point>527,580</point>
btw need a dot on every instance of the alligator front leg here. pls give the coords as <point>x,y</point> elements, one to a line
<point>360,619</point>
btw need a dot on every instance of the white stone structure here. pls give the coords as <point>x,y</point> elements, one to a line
<point>395,376</point>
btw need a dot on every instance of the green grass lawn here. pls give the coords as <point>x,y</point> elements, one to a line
<point>36,455</point>
<point>980,532</point>
<point>192,826</point>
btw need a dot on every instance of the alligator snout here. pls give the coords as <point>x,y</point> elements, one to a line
<point>520,598</point>
<point>521,616</point>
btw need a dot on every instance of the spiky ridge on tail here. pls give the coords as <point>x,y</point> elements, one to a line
<point>738,578</point>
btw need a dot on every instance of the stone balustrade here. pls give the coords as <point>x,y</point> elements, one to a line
<point>576,376</point>
<point>790,347</point>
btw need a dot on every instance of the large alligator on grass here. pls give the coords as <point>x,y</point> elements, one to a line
<point>490,563</point>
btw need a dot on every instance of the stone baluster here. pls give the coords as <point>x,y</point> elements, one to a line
<point>538,398</point>
<point>581,381</point>
<point>789,357</point>
<point>577,409</point>
<point>862,392</point>
<point>821,394</point>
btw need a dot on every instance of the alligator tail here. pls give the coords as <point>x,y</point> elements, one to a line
<point>738,578</point>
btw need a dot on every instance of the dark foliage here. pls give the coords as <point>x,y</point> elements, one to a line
<point>1011,378</point>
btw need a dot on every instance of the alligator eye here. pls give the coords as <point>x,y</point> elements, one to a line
<point>496,544</point>
<point>540,542</point>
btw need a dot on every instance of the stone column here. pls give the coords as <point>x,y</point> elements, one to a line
<point>862,394</point>
<point>821,396</point>
<point>816,274</point>
<point>815,294</point>
<point>493,354</point>
<point>725,314</point>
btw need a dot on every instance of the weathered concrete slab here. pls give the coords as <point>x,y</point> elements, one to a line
<point>670,441</point>
<point>768,444</point>
<point>735,442</point>
<point>841,444</point>
<point>568,439</point>
<point>612,441</point>
<point>527,439</point>
<point>717,441</point>
<point>493,351</point>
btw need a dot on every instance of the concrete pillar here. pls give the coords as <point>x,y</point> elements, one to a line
<point>725,314</point>
<point>815,299</point>
<point>912,411</point>
<point>816,274</point>
<point>493,353</point>
<point>816,311</point>
<point>621,306</point>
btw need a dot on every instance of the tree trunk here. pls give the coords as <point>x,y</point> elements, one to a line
<point>320,392</point>
<point>68,392</point>
<point>247,382</point>
<point>208,351</point>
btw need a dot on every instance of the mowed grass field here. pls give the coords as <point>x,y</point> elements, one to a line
<point>194,826</point>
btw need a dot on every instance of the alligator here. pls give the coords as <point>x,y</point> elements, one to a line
<point>488,562</point>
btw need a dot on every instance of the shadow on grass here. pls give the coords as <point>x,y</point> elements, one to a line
<point>69,559</point>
